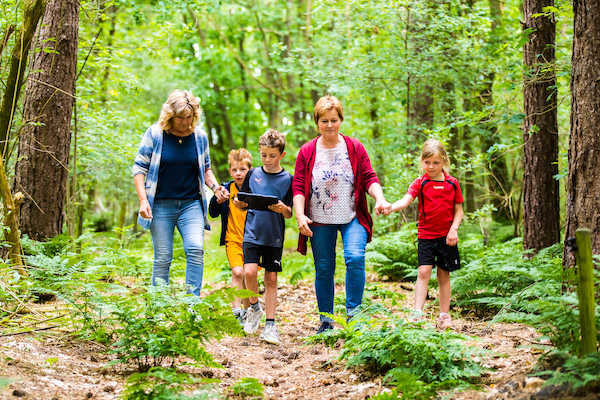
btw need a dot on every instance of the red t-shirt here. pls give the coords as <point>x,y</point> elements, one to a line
<point>436,204</point>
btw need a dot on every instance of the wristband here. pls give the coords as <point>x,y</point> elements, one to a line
<point>213,187</point>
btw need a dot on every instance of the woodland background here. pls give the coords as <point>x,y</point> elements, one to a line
<point>511,88</point>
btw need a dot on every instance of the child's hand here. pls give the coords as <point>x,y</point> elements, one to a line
<point>222,194</point>
<point>381,207</point>
<point>280,207</point>
<point>242,205</point>
<point>387,210</point>
<point>452,237</point>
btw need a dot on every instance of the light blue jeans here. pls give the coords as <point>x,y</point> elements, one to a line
<point>188,217</point>
<point>354,239</point>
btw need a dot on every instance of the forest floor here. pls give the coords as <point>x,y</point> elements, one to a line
<point>49,365</point>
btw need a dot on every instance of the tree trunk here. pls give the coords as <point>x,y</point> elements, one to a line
<point>33,10</point>
<point>583,185</point>
<point>42,167</point>
<point>541,214</point>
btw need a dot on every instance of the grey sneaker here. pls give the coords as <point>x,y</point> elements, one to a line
<point>270,334</point>
<point>241,317</point>
<point>252,320</point>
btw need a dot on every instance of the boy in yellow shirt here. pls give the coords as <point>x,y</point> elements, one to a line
<point>233,221</point>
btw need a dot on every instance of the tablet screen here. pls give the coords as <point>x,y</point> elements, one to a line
<point>257,201</point>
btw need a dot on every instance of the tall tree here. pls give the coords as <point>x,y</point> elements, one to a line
<point>541,214</point>
<point>583,185</point>
<point>41,170</point>
<point>32,11</point>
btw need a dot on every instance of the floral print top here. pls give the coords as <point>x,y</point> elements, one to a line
<point>332,186</point>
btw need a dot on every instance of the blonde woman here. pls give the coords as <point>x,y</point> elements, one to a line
<point>170,170</point>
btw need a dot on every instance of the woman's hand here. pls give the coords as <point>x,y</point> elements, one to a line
<point>452,237</point>
<point>145,210</point>
<point>303,225</point>
<point>242,205</point>
<point>382,207</point>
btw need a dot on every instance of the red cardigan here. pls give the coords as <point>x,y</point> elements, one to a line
<point>364,177</point>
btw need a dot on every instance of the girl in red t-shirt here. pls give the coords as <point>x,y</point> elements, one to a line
<point>440,214</point>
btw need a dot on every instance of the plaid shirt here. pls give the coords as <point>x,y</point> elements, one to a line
<point>147,162</point>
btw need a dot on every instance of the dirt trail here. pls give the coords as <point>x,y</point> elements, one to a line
<point>49,366</point>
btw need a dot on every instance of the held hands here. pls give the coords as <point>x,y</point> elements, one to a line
<point>303,225</point>
<point>452,237</point>
<point>382,207</point>
<point>222,194</point>
<point>145,210</point>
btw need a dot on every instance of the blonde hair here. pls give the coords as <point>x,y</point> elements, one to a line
<point>272,138</point>
<point>327,103</point>
<point>431,147</point>
<point>178,102</point>
<point>240,155</point>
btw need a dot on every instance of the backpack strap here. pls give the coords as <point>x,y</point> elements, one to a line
<point>423,198</point>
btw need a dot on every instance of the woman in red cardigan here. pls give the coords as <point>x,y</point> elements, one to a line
<point>332,176</point>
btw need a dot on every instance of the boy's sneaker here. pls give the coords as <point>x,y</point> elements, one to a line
<point>270,334</point>
<point>241,317</point>
<point>325,326</point>
<point>444,321</point>
<point>252,320</point>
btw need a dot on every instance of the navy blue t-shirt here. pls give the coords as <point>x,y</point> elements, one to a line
<point>263,227</point>
<point>178,171</point>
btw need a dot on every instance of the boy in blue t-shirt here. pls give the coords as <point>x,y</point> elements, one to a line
<point>264,231</point>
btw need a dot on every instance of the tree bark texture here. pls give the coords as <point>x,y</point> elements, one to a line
<point>541,214</point>
<point>32,12</point>
<point>583,184</point>
<point>42,167</point>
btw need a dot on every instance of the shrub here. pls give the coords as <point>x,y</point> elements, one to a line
<point>162,323</point>
<point>160,383</point>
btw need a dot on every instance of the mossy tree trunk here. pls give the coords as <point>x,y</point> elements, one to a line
<point>33,10</point>
<point>583,183</point>
<point>42,167</point>
<point>541,214</point>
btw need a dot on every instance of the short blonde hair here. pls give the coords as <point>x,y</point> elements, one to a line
<point>327,103</point>
<point>178,102</point>
<point>431,147</point>
<point>240,155</point>
<point>272,138</point>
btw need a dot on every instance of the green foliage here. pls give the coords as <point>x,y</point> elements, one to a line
<point>515,288</point>
<point>416,359</point>
<point>394,255</point>
<point>161,324</point>
<point>248,388</point>
<point>580,374</point>
<point>160,383</point>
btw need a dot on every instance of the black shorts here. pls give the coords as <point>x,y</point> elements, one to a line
<point>271,256</point>
<point>437,252</point>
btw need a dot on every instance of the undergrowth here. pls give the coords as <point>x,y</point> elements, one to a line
<point>415,359</point>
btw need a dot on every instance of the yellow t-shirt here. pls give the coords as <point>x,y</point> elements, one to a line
<point>237,219</point>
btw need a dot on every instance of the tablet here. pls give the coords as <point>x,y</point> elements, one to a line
<point>257,201</point>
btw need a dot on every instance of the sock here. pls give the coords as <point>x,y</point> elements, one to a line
<point>444,315</point>
<point>255,306</point>
<point>270,322</point>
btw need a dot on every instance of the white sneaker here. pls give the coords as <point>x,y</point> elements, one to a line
<point>270,334</point>
<point>252,320</point>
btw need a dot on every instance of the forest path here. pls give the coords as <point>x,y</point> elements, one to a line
<point>50,366</point>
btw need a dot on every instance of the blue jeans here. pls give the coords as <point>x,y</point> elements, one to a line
<point>354,238</point>
<point>188,216</point>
